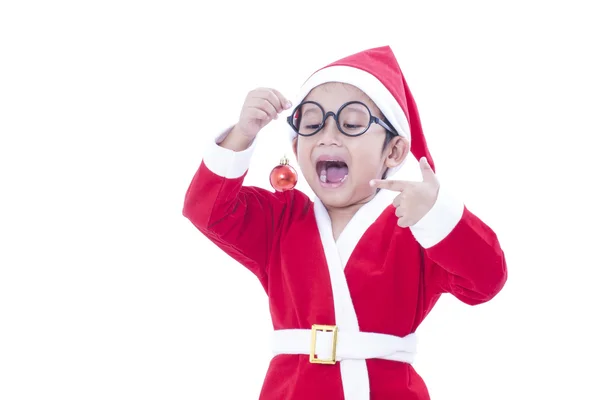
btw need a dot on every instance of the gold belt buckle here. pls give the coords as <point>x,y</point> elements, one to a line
<point>313,342</point>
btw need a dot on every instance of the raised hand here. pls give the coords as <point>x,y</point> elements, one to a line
<point>260,107</point>
<point>415,198</point>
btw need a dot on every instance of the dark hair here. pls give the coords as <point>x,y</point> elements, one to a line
<point>388,137</point>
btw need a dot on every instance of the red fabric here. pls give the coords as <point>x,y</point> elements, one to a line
<point>383,65</point>
<point>394,283</point>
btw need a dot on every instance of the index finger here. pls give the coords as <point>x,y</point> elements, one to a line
<point>285,103</point>
<point>397,186</point>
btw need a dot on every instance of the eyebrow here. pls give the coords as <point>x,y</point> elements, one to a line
<point>309,109</point>
<point>357,108</point>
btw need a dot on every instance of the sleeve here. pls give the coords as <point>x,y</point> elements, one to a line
<point>240,220</point>
<point>463,255</point>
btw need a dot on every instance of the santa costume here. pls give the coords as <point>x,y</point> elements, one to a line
<point>345,312</point>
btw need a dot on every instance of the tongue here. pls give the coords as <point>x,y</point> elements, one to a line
<point>336,174</point>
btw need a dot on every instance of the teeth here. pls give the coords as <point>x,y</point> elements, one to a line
<point>323,174</point>
<point>323,171</point>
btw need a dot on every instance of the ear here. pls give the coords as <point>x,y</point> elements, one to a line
<point>397,150</point>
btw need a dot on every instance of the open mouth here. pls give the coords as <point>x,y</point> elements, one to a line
<point>332,173</point>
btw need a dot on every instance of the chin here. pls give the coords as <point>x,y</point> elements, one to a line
<point>334,200</point>
<point>338,195</point>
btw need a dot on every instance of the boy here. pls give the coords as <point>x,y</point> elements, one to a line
<point>351,275</point>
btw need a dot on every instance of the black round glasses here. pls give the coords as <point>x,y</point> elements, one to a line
<point>353,119</point>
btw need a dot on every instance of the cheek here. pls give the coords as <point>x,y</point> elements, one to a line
<point>366,154</point>
<point>304,150</point>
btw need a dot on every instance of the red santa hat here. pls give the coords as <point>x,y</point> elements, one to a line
<point>377,73</point>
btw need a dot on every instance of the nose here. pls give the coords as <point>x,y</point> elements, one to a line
<point>330,134</point>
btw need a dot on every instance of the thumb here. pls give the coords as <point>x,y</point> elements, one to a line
<point>426,170</point>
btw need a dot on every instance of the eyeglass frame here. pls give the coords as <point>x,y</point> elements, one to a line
<point>372,119</point>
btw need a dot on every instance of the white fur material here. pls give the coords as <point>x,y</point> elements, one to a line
<point>227,163</point>
<point>355,377</point>
<point>440,220</point>
<point>359,223</point>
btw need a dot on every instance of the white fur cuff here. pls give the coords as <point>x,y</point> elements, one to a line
<point>227,163</point>
<point>440,220</point>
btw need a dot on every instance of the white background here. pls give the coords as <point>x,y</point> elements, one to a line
<point>107,292</point>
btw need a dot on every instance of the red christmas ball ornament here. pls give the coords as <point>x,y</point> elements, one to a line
<point>283,176</point>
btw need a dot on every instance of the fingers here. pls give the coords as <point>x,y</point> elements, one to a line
<point>259,114</point>
<point>398,200</point>
<point>264,105</point>
<point>403,218</point>
<point>261,106</point>
<point>270,101</point>
<point>427,171</point>
<point>397,186</point>
<point>401,211</point>
<point>404,222</point>
<point>400,203</point>
<point>285,103</point>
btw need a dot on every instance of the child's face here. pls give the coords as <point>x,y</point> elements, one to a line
<point>358,159</point>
